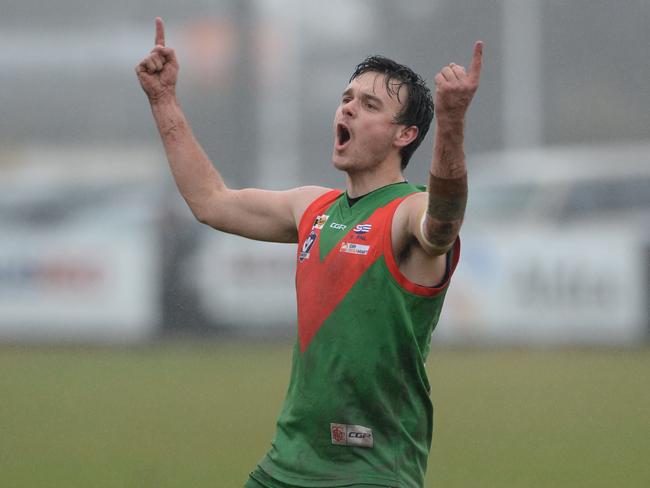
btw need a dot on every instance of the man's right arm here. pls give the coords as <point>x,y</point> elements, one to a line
<point>253,213</point>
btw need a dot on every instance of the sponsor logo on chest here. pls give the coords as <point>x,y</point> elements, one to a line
<point>353,248</point>
<point>336,226</point>
<point>360,232</point>
<point>362,228</point>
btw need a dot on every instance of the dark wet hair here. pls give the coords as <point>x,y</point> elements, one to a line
<point>418,110</point>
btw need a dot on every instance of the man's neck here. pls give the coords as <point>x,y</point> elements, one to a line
<point>362,183</point>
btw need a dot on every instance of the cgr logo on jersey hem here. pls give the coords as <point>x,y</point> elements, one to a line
<point>351,435</point>
<point>352,248</point>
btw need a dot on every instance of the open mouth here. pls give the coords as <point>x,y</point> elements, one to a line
<point>343,135</point>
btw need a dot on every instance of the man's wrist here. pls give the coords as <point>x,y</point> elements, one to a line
<point>163,100</point>
<point>450,120</point>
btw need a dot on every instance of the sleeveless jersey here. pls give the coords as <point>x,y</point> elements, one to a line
<point>357,409</point>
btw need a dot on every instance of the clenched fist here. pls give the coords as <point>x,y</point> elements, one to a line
<point>158,72</point>
<point>455,87</point>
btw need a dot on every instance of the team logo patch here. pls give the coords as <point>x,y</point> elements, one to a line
<point>351,435</point>
<point>319,223</point>
<point>362,228</point>
<point>352,248</point>
<point>307,245</point>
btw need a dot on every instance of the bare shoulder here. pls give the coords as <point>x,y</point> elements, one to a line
<point>409,212</point>
<point>302,196</point>
<point>310,192</point>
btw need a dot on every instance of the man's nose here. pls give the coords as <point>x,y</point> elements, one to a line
<point>348,108</point>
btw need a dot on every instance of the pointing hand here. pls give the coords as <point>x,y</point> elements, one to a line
<point>455,87</point>
<point>158,71</point>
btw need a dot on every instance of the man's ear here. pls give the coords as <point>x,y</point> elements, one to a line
<point>406,135</point>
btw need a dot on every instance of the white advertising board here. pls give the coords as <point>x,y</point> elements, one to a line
<point>246,283</point>
<point>549,287</point>
<point>87,283</point>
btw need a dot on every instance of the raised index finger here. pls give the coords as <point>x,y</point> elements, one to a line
<point>160,32</point>
<point>477,61</point>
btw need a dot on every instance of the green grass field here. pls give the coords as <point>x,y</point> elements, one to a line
<point>181,415</point>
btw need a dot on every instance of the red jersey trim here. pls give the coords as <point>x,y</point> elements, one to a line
<point>404,282</point>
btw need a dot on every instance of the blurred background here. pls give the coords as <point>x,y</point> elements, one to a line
<point>156,337</point>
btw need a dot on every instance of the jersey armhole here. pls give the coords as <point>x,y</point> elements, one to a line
<point>428,291</point>
<point>323,200</point>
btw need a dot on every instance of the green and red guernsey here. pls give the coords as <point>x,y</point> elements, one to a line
<point>358,407</point>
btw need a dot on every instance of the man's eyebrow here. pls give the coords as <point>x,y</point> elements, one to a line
<point>363,95</point>
<point>372,98</point>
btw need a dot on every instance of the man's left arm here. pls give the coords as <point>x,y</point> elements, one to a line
<point>436,227</point>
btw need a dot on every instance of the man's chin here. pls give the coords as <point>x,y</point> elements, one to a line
<point>339,162</point>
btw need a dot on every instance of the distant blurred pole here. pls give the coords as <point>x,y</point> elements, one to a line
<point>522,73</point>
<point>245,110</point>
<point>279,64</point>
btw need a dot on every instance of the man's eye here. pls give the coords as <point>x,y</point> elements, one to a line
<point>371,106</point>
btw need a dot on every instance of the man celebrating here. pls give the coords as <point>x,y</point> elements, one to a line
<point>373,266</point>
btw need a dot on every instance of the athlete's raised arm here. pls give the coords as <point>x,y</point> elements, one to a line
<point>257,214</point>
<point>436,222</point>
